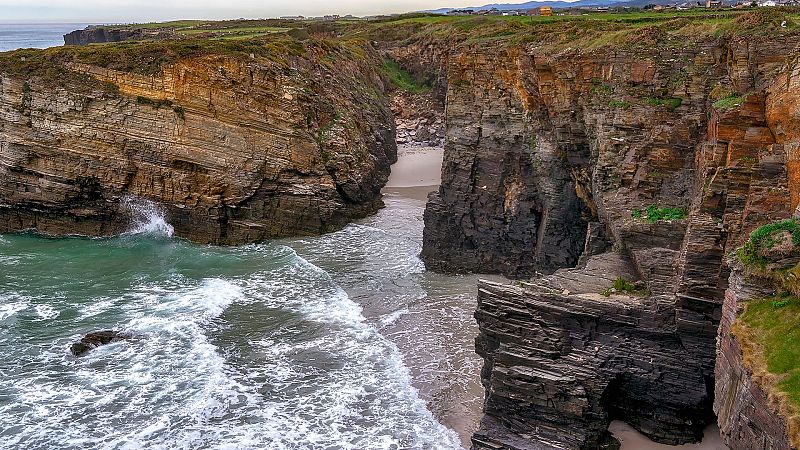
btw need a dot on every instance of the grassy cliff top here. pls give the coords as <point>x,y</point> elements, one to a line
<point>583,30</point>
<point>278,38</point>
<point>769,334</point>
<point>769,328</point>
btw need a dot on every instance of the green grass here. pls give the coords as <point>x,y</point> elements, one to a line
<point>773,326</point>
<point>171,24</point>
<point>401,78</point>
<point>252,31</point>
<point>623,286</point>
<point>654,214</point>
<point>669,103</point>
<point>621,104</point>
<point>764,238</point>
<point>729,102</point>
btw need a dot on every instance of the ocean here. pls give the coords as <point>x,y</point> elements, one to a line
<point>14,36</point>
<point>341,341</point>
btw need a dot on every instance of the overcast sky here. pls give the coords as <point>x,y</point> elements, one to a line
<point>104,11</point>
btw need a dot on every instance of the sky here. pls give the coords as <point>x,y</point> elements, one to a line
<point>127,11</point>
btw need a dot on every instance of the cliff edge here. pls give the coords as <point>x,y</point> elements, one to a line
<point>239,141</point>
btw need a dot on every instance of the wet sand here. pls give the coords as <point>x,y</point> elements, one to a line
<point>633,440</point>
<point>416,166</point>
<point>436,335</point>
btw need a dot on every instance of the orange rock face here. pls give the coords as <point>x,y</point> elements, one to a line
<point>236,149</point>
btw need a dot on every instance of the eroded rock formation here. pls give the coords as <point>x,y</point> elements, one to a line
<point>551,162</point>
<point>236,148</point>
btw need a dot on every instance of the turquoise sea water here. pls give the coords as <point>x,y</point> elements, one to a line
<point>299,344</point>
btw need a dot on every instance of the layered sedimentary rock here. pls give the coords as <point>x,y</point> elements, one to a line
<point>746,417</point>
<point>99,35</point>
<point>236,148</point>
<point>551,162</point>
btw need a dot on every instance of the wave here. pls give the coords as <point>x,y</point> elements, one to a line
<point>147,217</point>
<point>264,351</point>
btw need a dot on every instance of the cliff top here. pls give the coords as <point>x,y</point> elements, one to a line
<point>584,30</point>
<point>279,40</point>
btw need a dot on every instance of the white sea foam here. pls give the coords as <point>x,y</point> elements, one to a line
<point>319,377</point>
<point>147,217</point>
<point>46,312</point>
<point>392,317</point>
<point>10,306</point>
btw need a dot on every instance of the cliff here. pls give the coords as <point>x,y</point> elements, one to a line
<point>628,169</point>
<point>99,35</point>
<point>239,141</point>
<point>748,418</point>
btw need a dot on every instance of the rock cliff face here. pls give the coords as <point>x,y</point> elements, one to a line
<point>236,148</point>
<point>562,159</point>
<point>101,35</point>
<point>747,419</point>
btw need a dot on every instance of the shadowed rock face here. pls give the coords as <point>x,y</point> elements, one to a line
<point>236,149</point>
<point>547,161</point>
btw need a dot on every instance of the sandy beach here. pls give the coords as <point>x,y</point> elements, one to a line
<point>633,440</point>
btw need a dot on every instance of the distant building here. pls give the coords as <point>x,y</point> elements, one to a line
<point>713,3</point>
<point>292,17</point>
<point>541,11</point>
<point>460,12</point>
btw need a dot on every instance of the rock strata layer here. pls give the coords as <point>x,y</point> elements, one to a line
<point>568,160</point>
<point>236,149</point>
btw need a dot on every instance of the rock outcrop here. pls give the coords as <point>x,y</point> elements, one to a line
<point>96,339</point>
<point>295,140</point>
<point>419,119</point>
<point>617,162</point>
<point>101,35</point>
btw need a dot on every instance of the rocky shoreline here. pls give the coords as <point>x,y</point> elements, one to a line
<point>611,178</point>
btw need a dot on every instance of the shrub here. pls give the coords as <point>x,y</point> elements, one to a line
<point>653,213</point>
<point>623,286</point>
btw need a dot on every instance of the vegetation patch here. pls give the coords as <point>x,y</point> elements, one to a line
<point>621,104</point>
<point>669,103</point>
<point>654,214</point>
<point>623,286</point>
<point>728,102</point>
<point>769,333</point>
<point>401,79</point>
<point>770,241</point>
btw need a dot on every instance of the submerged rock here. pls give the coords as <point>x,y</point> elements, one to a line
<point>96,339</point>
